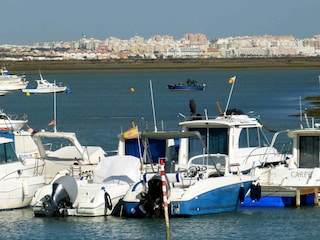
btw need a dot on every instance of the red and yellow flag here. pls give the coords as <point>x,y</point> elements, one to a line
<point>232,79</point>
<point>131,133</point>
<point>52,123</point>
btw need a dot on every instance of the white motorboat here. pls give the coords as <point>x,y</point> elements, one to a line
<point>12,122</point>
<point>297,181</point>
<point>10,82</point>
<point>44,86</point>
<point>19,177</point>
<point>96,195</point>
<point>62,152</point>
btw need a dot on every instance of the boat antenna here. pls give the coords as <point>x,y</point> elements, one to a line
<point>301,126</point>
<point>153,109</point>
<point>232,80</point>
<point>54,108</point>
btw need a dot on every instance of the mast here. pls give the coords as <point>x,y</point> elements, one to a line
<point>153,109</point>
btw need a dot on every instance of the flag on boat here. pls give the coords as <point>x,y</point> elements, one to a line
<point>232,79</point>
<point>52,123</point>
<point>131,133</point>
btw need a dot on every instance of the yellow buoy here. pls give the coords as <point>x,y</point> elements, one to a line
<point>27,94</point>
<point>132,89</point>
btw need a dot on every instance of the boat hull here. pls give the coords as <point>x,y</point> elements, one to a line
<point>18,192</point>
<point>92,200</point>
<point>43,91</point>
<point>186,88</point>
<point>209,196</point>
<point>225,199</point>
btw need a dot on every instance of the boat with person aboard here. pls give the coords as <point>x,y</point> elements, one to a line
<point>190,85</point>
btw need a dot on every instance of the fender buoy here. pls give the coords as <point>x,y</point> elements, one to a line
<point>241,194</point>
<point>255,192</point>
<point>107,201</point>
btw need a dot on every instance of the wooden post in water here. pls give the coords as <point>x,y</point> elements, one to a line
<point>165,199</point>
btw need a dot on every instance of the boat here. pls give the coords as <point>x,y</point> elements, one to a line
<point>297,181</point>
<point>191,85</point>
<point>19,177</point>
<point>9,82</point>
<point>12,122</point>
<point>44,86</point>
<point>2,93</point>
<point>204,185</point>
<point>97,195</point>
<point>63,153</point>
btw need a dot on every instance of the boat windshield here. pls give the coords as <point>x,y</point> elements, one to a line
<point>7,154</point>
<point>252,137</point>
<point>215,140</point>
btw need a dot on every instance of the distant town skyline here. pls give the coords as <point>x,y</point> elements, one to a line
<point>27,22</point>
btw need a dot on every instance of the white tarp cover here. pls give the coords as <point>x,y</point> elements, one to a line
<point>117,168</point>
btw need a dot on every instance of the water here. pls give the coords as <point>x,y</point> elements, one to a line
<point>102,105</point>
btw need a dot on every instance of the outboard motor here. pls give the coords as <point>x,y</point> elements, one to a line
<point>152,201</point>
<point>64,193</point>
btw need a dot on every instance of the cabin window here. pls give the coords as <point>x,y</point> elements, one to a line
<point>251,137</point>
<point>309,151</point>
<point>215,140</point>
<point>7,154</point>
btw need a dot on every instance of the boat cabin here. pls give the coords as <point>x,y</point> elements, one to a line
<point>239,137</point>
<point>151,146</point>
<point>306,147</point>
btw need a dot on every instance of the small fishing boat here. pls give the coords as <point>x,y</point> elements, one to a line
<point>191,85</point>
<point>12,122</point>
<point>44,86</point>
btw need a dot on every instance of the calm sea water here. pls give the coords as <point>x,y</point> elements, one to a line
<point>102,105</point>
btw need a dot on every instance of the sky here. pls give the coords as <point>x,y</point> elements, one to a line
<point>31,21</point>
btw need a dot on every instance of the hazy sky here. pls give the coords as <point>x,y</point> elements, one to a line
<point>30,21</point>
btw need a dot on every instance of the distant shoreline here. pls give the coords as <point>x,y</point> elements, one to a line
<point>71,66</point>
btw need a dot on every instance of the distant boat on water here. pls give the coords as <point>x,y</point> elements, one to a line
<point>44,86</point>
<point>191,85</point>
<point>11,82</point>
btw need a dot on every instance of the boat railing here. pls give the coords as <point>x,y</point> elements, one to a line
<point>194,117</point>
<point>13,174</point>
<point>261,156</point>
<point>17,116</point>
